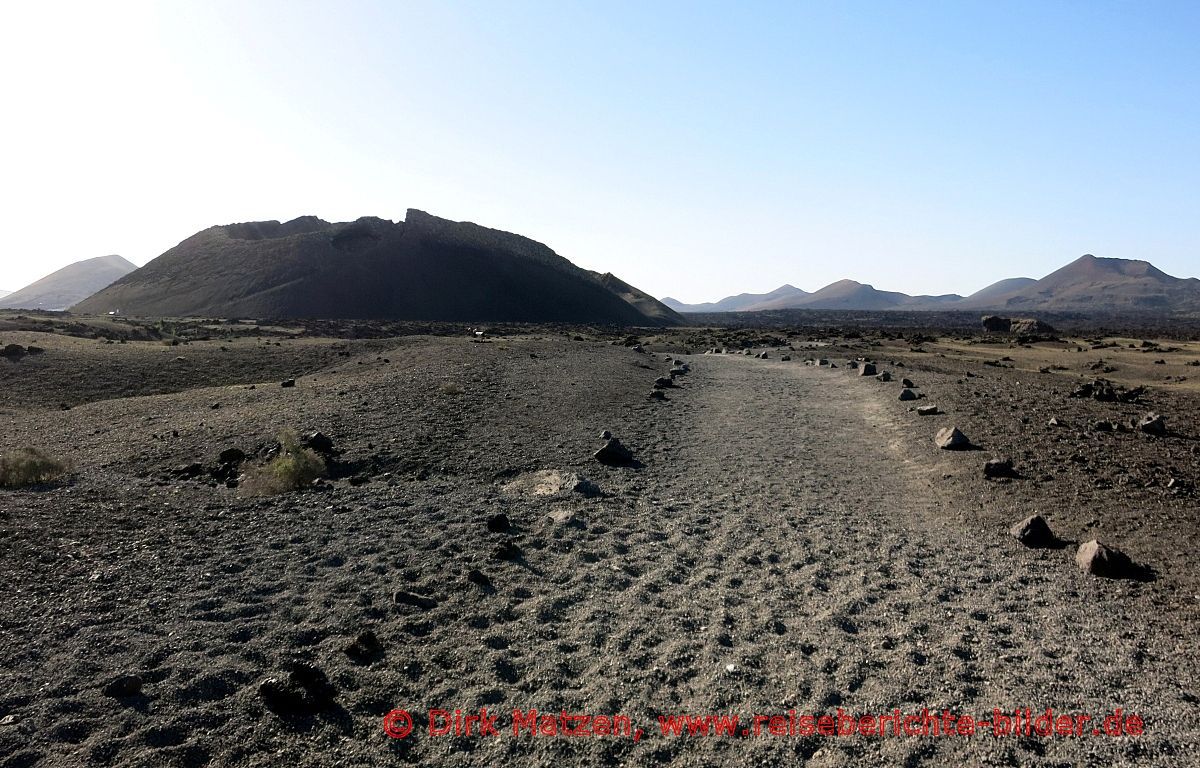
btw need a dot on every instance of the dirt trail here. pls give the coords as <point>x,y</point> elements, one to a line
<point>800,544</point>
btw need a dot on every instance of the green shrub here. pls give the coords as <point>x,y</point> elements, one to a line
<point>293,468</point>
<point>29,466</point>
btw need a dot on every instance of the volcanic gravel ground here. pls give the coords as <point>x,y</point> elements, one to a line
<point>791,540</point>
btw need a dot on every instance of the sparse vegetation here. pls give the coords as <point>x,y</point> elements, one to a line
<point>450,388</point>
<point>293,467</point>
<point>24,467</point>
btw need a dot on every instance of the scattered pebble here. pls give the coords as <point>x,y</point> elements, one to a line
<point>403,597</point>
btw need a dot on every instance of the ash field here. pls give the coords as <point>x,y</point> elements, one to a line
<point>785,535</point>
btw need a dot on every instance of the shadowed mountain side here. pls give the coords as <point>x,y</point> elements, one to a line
<point>639,299</point>
<point>69,285</point>
<point>424,268</point>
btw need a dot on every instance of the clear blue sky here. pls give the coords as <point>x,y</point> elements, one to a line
<point>693,149</point>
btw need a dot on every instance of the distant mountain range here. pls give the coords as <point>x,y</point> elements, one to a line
<point>743,302</point>
<point>69,285</point>
<point>431,269</point>
<point>423,268</point>
<point>1088,284</point>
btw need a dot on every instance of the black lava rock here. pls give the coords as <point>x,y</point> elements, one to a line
<point>124,687</point>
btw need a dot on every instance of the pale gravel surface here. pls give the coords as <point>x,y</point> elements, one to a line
<point>792,521</point>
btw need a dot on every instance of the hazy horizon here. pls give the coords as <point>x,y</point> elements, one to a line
<point>692,151</point>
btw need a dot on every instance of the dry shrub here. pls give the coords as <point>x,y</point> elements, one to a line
<point>293,468</point>
<point>29,466</point>
<point>450,388</point>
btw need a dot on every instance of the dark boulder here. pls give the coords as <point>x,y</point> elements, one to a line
<point>190,471</point>
<point>1105,391</point>
<point>319,443</point>
<point>1030,329</point>
<point>952,439</point>
<point>1153,424</point>
<point>1099,560</point>
<point>313,680</point>
<point>507,551</point>
<point>283,697</point>
<point>231,456</point>
<point>1026,327</point>
<point>124,687</point>
<point>614,454</point>
<point>364,648</point>
<point>305,690</point>
<point>1033,531</point>
<point>996,324</point>
<point>998,468</point>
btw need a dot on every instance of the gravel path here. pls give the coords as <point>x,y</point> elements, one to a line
<point>808,541</point>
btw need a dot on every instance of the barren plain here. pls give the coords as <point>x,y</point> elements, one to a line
<point>788,538</point>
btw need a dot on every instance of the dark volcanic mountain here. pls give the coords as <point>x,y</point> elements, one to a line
<point>997,293</point>
<point>423,268</point>
<point>848,294</point>
<point>642,301</point>
<point>69,285</point>
<point>743,302</point>
<point>844,294</point>
<point>1091,283</point>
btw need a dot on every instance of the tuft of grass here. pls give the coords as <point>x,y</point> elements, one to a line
<point>29,466</point>
<point>293,468</point>
<point>450,388</point>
